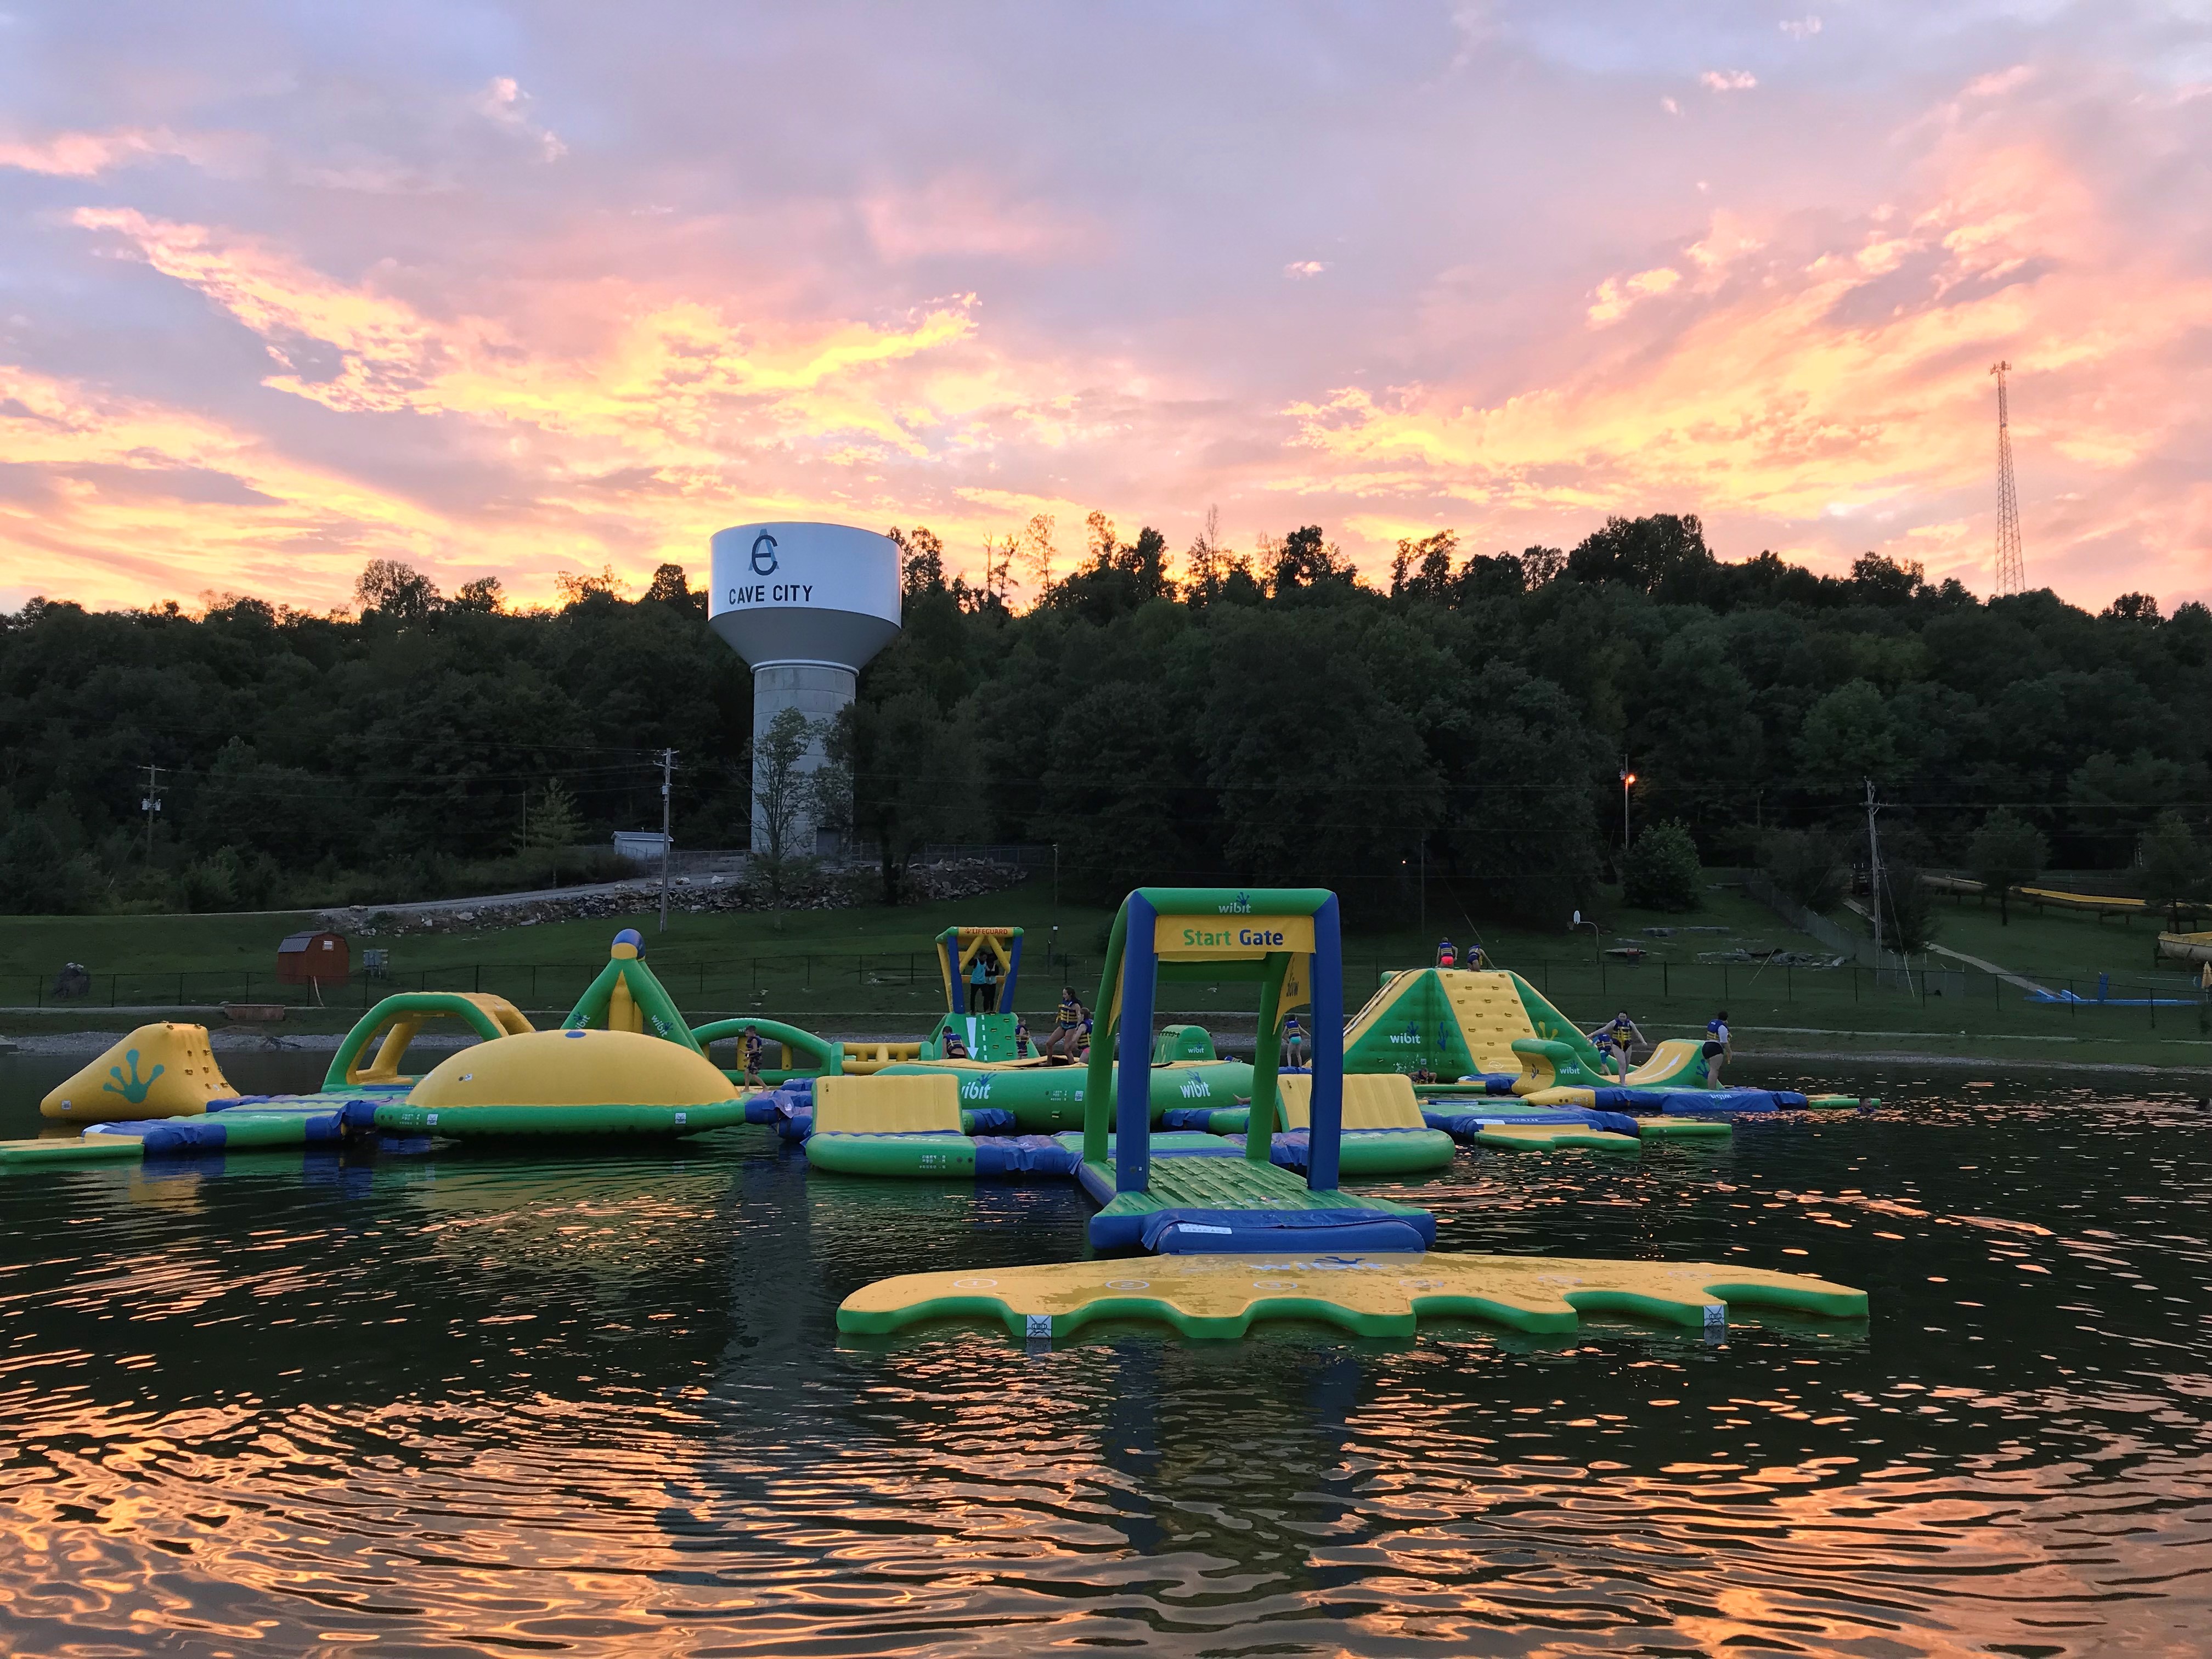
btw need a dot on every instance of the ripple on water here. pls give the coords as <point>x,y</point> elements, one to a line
<point>578,1405</point>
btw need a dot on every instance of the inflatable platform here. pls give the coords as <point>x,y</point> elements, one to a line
<point>1366,1293</point>
<point>1217,1205</point>
<point>1383,1131</point>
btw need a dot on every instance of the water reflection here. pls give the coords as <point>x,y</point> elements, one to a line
<point>586,1403</point>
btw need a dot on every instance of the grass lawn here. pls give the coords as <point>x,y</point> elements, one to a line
<point>873,967</point>
<point>2059,945</point>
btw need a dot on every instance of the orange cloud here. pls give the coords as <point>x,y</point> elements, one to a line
<point>1824,391</point>
<point>82,155</point>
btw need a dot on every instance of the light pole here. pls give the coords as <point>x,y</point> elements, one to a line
<point>1627,782</point>
<point>1596,951</point>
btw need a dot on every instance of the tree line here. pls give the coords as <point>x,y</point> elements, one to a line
<point>1264,716</point>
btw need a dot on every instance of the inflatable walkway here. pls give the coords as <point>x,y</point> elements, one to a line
<point>1366,1293</point>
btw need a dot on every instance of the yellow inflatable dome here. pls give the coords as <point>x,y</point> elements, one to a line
<point>573,1069</point>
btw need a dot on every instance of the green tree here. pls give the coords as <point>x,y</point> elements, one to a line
<point>1661,551</point>
<point>916,778</point>
<point>395,590</point>
<point>921,559</point>
<point>671,587</point>
<point>1423,569</point>
<point>1321,772</point>
<point>484,595</point>
<point>2170,867</point>
<point>784,798</point>
<point>1661,871</point>
<point>2006,852</point>
<point>1847,735</point>
<point>1308,559</point>
<point>1909,914</point>
<point>550,826</point>
<point>1527,851</point>
<point>1805,864</point>
<point>38,873</point>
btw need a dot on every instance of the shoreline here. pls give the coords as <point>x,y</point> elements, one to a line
<point>87,1044</point>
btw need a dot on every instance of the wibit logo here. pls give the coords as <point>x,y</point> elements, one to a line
<point>133,1088</point>
<point>763,562</point>
<point>1193,1088</point>
<point>1322,1264</point>
<point>1239,906</point>
<point>976,1088</point>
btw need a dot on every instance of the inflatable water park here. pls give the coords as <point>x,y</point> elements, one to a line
<point>1231,1172</point>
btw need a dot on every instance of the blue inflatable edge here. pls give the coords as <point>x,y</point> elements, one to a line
<point>1251,1233</point>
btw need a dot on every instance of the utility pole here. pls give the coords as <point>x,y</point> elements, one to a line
<point>667,774</point>
<point>1873,875</point>
<point>2011,573</point>
<point>150,803</point>
<point>1627,780</point>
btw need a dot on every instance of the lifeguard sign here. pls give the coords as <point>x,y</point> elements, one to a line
<point>1212,934</point>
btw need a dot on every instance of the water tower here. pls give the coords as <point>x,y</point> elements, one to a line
<point>807,605</point>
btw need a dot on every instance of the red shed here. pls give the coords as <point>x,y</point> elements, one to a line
<point>321,958</point>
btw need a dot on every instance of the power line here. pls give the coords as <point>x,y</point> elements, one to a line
<point>2012,575</point>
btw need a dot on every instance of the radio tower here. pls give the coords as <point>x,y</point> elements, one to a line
<point>2012,575</point>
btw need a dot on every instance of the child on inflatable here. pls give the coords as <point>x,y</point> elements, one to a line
<point>751,1045</point>
<point>1717,1047</point>
<point>1294,1042</point>
<point>1447,954</point>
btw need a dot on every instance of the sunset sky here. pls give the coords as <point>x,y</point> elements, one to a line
<point>515,289</point>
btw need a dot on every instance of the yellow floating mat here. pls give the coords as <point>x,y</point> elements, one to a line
<point>1376,1100</point>
<point>1550,1137</point>
<point>1382,1294</point>
<point>880,1105</point>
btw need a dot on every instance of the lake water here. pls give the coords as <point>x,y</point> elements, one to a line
<point>490,1403</point>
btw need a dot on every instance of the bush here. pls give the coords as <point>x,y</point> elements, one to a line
<point>1804,864</point>
<point>1661,871</point>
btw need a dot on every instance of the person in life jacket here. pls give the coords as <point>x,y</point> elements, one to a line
<point>1447,954</point>
<point>1294,1042</point>
<point>750,1045</point>
<point>1066,1025</point>
<point>1616,1036</point>
<point>1717,1047</point>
